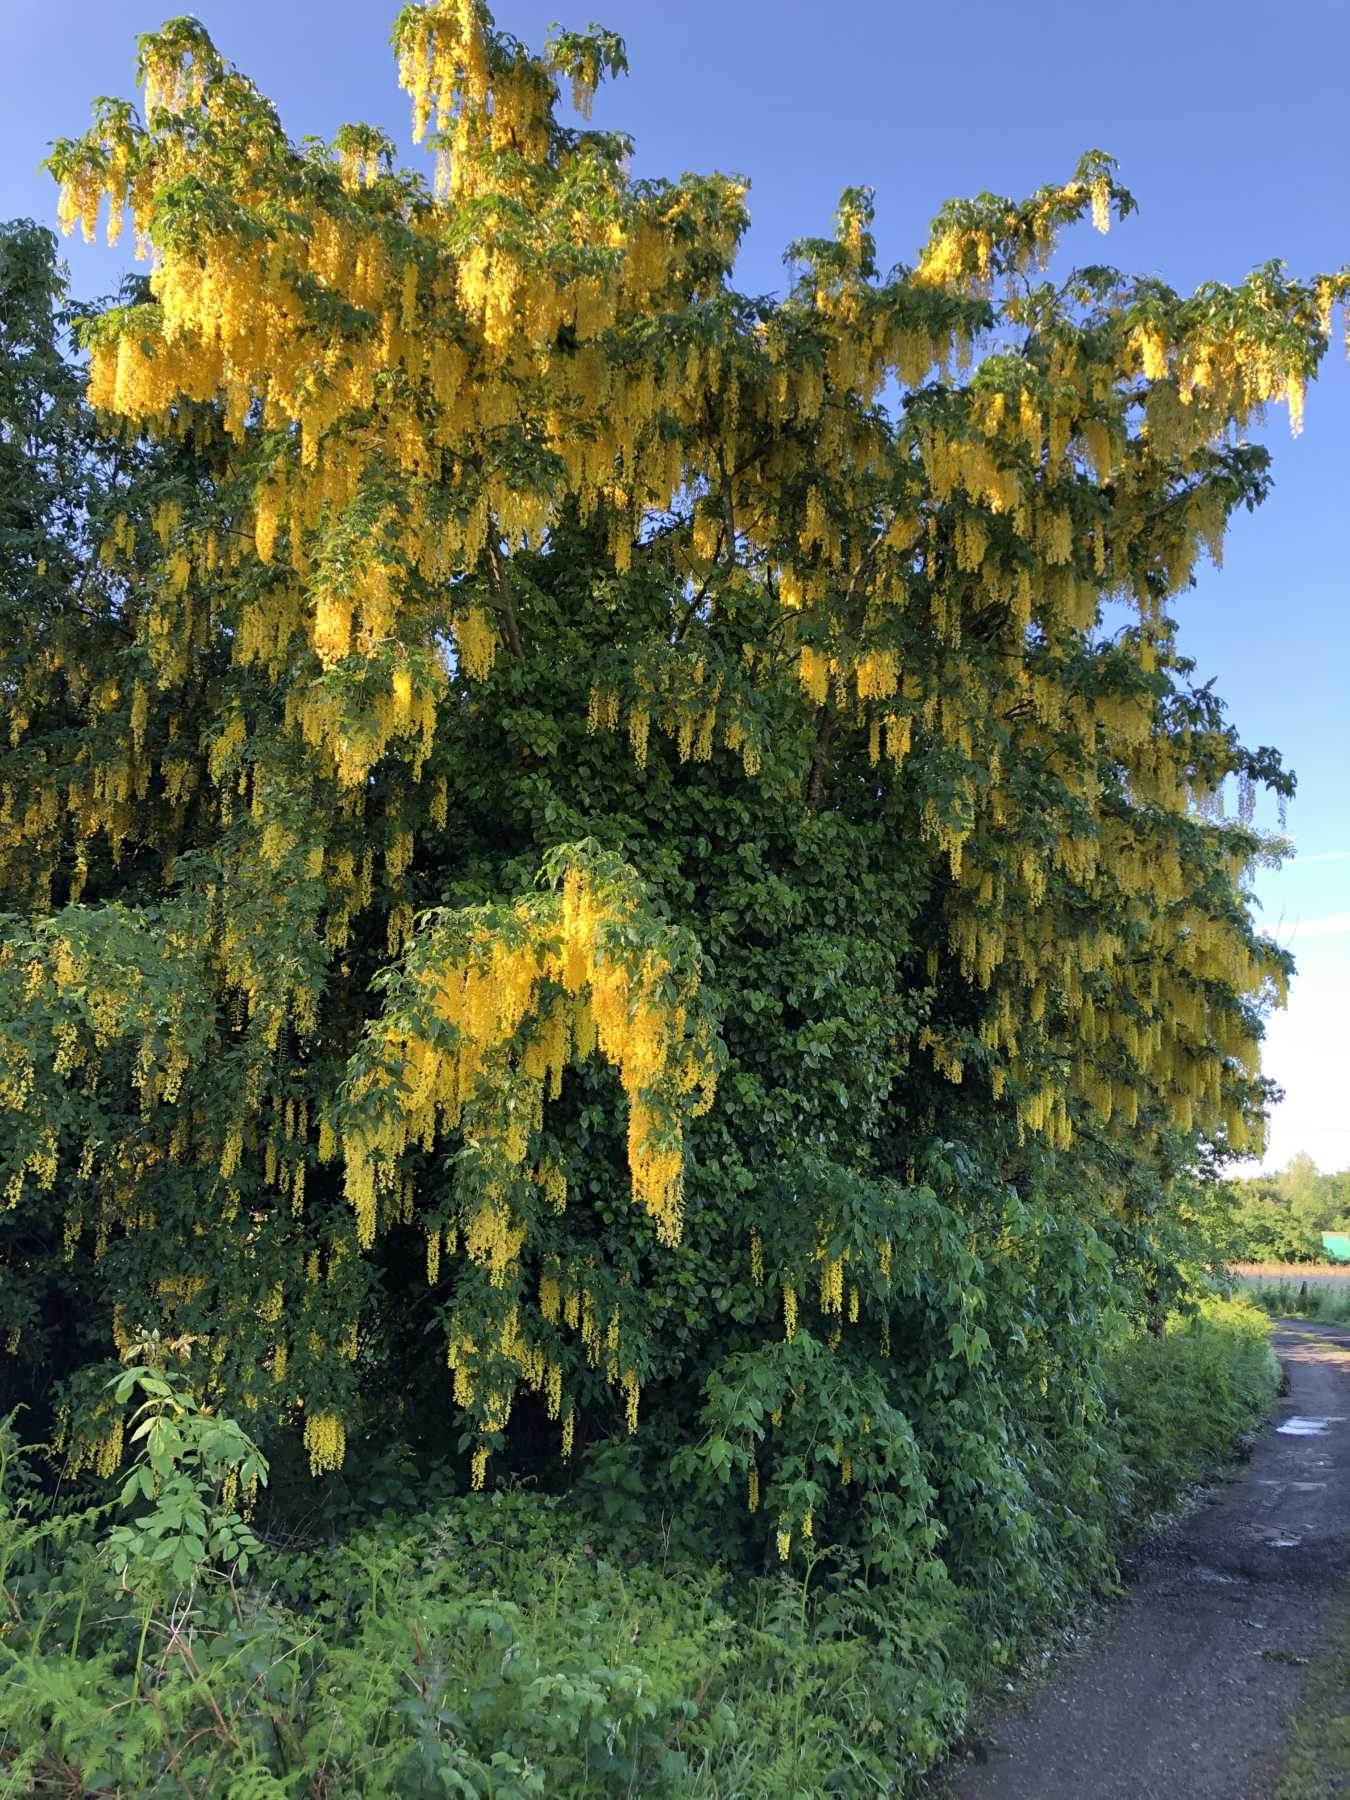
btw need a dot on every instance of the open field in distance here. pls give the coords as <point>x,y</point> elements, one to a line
<point>1331,1275</point>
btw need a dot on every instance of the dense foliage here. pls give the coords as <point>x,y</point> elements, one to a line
<point>509,1644</point>
<point>591,855</point>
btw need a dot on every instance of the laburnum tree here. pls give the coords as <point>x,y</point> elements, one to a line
<point>588,852</point>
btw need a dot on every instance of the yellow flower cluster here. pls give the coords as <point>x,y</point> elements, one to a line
<point>98,1444</point>
<point>555,978</point>
<point>326,1442</point>
<point>553,981</point>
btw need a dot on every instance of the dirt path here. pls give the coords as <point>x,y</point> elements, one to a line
<point>1183,1695</point>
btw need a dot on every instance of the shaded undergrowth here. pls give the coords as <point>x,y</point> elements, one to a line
<point>513,1643</point>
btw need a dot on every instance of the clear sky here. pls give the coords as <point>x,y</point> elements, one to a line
<point>1227,117</point>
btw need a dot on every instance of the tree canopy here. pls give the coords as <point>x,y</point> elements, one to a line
<point>586,848</point>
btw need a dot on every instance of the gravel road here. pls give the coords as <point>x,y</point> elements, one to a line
<point>1183,1694</point>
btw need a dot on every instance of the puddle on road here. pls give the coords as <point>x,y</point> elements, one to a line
<point>1299,1427</point>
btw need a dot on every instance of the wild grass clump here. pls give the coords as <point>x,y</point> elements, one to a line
<point>1304,1300</point>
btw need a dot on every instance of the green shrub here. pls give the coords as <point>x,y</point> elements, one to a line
<point>514,1643</point>
<point>1179,1402</point>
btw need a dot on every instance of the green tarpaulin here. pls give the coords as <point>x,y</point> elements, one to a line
<point>1337,1245</point>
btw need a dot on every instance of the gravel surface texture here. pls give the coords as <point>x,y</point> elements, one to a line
<point>1182,1695</point>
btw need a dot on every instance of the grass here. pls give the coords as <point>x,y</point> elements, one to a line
<point>1316,1764</point>
<point>1295,1298</point>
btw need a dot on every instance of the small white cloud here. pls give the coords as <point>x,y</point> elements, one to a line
<point>1329,925</point>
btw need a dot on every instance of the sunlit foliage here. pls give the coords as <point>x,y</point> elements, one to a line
<point>815,653</point>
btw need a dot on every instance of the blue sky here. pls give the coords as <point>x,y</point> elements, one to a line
<point>1223,114</point>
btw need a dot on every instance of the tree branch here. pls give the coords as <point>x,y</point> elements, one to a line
<point>727,511</point>
<point>824,733</point>
<point>504,593</point>
<point>691,612</point>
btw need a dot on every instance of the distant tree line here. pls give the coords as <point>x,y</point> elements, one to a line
<point>1281,1217</point>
